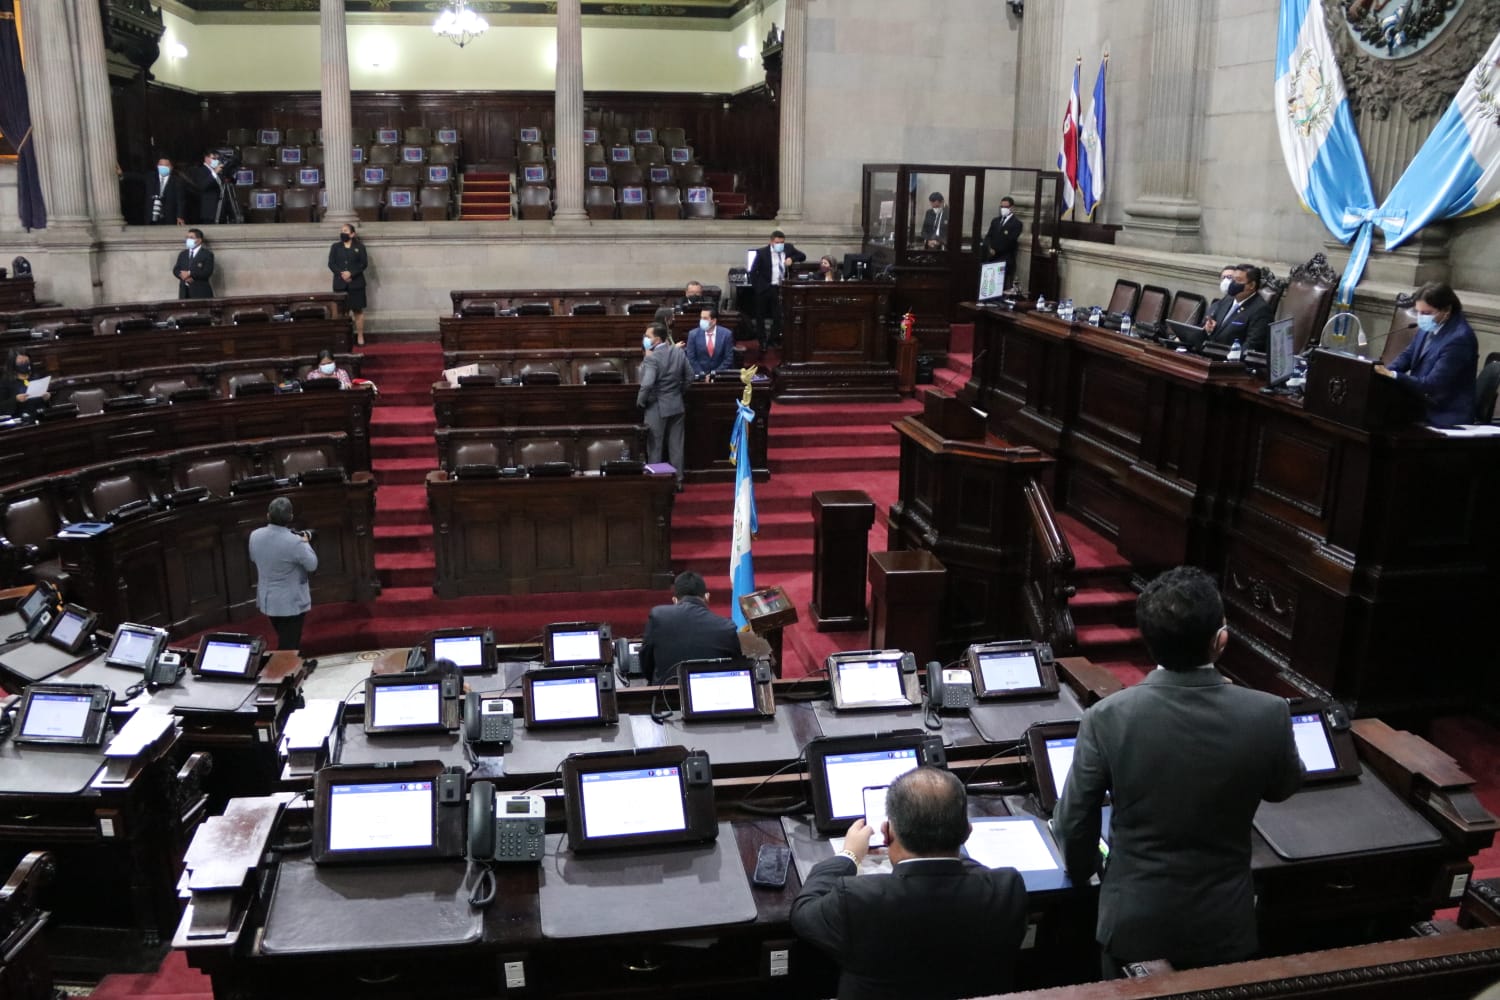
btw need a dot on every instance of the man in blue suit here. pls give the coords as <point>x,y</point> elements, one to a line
<point>1440,361</point>
<point>710,348</point>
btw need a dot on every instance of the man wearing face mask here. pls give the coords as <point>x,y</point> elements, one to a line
<point>166,199</point>
<point>710,348</point>
<point>1003,237</point>
<point>194,268</point>
<point>1241,314</point>
<point>213,189</point>
<point>1439,363</point>
<point>347,260</point>
<point>767,273</point>
<point>665,375</point>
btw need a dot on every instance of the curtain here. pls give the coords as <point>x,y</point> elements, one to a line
<point>15,119</point>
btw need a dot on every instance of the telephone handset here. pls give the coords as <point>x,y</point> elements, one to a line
<point>488,719</point>
<point>511,828</point>
<point>628,658</point>
<point>40,624</point>
<point>949,688</point>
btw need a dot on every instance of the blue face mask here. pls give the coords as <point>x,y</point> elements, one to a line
<point>646,342</point>
<point>703,325</point>
<point>1426,322</point>
<point>163,171</point>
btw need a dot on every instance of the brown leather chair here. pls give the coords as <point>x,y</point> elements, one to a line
<point>30,524</point>
<point>594,153</point>
<point>406,174</point>
<point>533,368</point>
<point>400,204</point>
<point>367,203</point>
<point>440,154</point>
<point>621,154</point>
<point>165,386</point>
<point>1152,307</point>
<point>627,173</point>
<point>436,199</point>
<point>536,201</point>
<point>535,451</point>
<point>632,202</point>
<point>113,490</point>
<point>1403,329</point>
<point>254,156</point>
<point>1188,308</point>
<point>297,459</point>
<point>252,314</point>
<point>1271,288</point>
<point>265,205</point>
<point>236,382</point>
<point>609,448</point>
<point>690,174</point>
<point>1124,297</point>
<point>239,137</point>
<point>650,153</point>
<point>1308,295</point>
<point>416,135</point>
<point>300,204</point>
<point>670,137</point>
<point>699,204</point>
<point>615,135</point>
<point>274,177</point>
<point>473,452</point>
<point>604,369</point>
<point>530,152</point>
<point>214,473</point>
<point>590,307</point>
<point>89,399</point>
<point>312,156</point>
<point>380,156</point>
<point>599,201</point>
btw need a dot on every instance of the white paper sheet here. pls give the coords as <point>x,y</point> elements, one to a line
<point>37,387</point>
<point>1010,842</point>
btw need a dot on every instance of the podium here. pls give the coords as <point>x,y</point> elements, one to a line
<point>906,602</point>
<point>836,344</point>
<point>1347,390</point>
<point>841,530</point>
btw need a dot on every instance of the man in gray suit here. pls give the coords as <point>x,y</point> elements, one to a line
<point>1187,758</point>
<point>283,559</point>
<point>665,375</point>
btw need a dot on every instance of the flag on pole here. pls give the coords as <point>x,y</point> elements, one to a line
<point>1091,149</point>
<point>741,566</point>
<point>1067,156</point>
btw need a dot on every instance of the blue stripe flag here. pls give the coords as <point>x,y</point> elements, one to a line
<point>1091,145</point>
<point>741,565</point>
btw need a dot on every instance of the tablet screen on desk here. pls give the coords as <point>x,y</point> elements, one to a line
<point>376,816</point>
<point>417,705</point>
<point>1051,746</point>
<point>719,689</point>
<point>228,654</point>
<point>574,643</point>
<point>71,629</point>
<point>41,597</point>
<point>1314,744</point>
<point>1327,753</point>
<point>135,646</point>
<point>625,803</point>
<point>571,699</point>
<point>401,812</point>
<point>71,714</point>
<point>875,679</point>
<point>464,651</point>
<point>849,774</point>
<point>638,798</point>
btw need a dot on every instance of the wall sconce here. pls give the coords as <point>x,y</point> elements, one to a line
<point>746,52</point>
<point>1017,7</point>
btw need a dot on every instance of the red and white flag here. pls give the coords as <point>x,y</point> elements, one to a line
<point>1067,156</point>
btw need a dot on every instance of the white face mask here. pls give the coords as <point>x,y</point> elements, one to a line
<point>189,243</point>
<point>777,248</point>
<point>214,163</point>
<point>327,368</point>
<point>1004,212</point>
<point>1224,285</point>
<point>703,325</point>
<point>646,342</point>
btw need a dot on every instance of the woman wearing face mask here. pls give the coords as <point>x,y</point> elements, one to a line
<point>1439,363</point>
<point>329,368</point>
<point>347,259</point>
<point>827,269</point>
<point>13,398</point>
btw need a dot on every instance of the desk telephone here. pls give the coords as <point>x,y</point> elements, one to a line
<point>488,719</point>
<point>165,670</point>
<point>40,624</point>
<point>628,658</point>
<point>510,828</point>
<point>949,688</point>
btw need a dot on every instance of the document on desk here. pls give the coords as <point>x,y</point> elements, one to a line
<point>1011,842</point>
<point>309,726</point>
<point>1469,431</point>
<point>875,862</point>
<point>37,387</point>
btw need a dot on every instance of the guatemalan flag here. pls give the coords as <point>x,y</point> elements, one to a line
<point>1457,170</point>
<point>741,566</point>
<point>1091,150</point>
<point>1067,156</point>
<point>1318,139</point>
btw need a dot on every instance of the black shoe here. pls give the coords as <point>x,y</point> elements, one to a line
<point>680,487</point>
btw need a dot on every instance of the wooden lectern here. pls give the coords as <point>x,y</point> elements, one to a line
<point>1348,391</point>
<point>836,342</point>
<point>768,611</point>
<point>841,531</point>
<point>906,602</point>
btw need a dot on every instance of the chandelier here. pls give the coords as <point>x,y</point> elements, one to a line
<point>459,24</point>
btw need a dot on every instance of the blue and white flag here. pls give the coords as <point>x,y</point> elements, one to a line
<point>1318,138</point>
<point>1457,170</point>
<point>741,565</point>
<point>1091,147</point>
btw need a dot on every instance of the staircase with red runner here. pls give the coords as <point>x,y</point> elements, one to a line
<point>485,196</point>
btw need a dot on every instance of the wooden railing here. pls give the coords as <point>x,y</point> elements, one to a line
<point>1049,575</point>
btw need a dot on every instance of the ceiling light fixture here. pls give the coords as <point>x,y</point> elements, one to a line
<point>459,24</point>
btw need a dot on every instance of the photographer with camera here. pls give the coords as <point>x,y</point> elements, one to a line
<point>213,179</point>
<point>283,560</point>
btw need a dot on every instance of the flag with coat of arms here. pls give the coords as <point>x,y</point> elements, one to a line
<point>741,564</point>
<point>1067,156</point>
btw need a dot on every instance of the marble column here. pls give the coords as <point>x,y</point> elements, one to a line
<point>1166,213</point>
<point>338,174</point>
<point>793,99</point>
<point>56,125</point>
<point>1039,89</point>
<point>567,112</point>
<point>100,152</point>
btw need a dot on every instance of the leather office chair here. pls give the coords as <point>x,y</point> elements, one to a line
<point>123,322</point>
<point>254,156</point>
<point>609,448</point>
<point>239,137</point>
<point>650,153</point>
<point>594,153</point>
<point>690,175</point>
<point>405,175</point>
<point>624,174</point>
<point>272,210</point>
<point>473,452</point>
<point>537,450</point>
<point>621,153</point>
<point>1151,310</point>
<point>1124,297</point>
<point>300,204</point>
<point>235,384</point>
<point>632,202</point>
<point>380,156</point>
<point>214,473</point>
<point>113,490</point>
<point>599,201</point>
<point>1487,390</point>
<point>299,137</point>
<point>1188,308</point>
<point>416,135</point>
<point>252,314</point>
<point>692,155</point>
<point>400,204</point>
<point>1403,329</point>
<point>274,177</point>
<point>436,200</point>
<point>312,156</point>
<point>367,202</point>
<point>297,459</point>
<point>1306,299</point>
<point>700,203</point>
<point>30,524</point>
<point>292,161</point>
<point>550,370</point>
<point>441,154</point>
<point>164,387</point>
<point>641,307</point>
<point>530,152</point>
<point>536,201</point>
<point>670,137</point>
<point>89,399</point>
<point>586,370</point>
<point>615,135</point>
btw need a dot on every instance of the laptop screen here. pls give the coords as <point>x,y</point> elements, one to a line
<point>465,651</point>
<point>57,716</point>
<point>374,816</point>
<point>1313,744</point>
<point>403,706</point>
<point>564,699</point>
<point>1009,671</point>
<point>712,691</point>
<point>847,775</point>
<point>632,802</point>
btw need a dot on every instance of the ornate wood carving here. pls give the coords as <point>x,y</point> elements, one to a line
<point>133,30</point>
<point>1316,271</point>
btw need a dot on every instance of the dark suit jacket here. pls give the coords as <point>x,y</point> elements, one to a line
<point>687,630</point>
<point>1250,324</point>
<point>175,198</point>
<point>201,265</point>
<point>760,267</point>
<point>1440,367</point>
<point>935,927</point>
<point>208,193</point>
<point>1187,759</point>
<point>697,350</point>
<point>935,228</point>
<point>1001,240</point>
<point>354,260</point>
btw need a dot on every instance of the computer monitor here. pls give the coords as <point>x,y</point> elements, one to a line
<point>72,629</point>
<point>1010,670</point>
<point>135,646</point>
<point>410,703</point>
<point>1281,352</point>
<point>229,655</point>
<point>858,267</point>
<point>873,679</point>
<point>839,769</point>
<point>472,650</point>
<point>644,798</point>
<point>566,644</point>
<point>991,281</point>
<point>724,689</point>
<point>66,714</point>
<point>569,696</point>
<point>407,812</point>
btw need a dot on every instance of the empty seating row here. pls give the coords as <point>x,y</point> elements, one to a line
<point>93,393</point>
<point>611,135</point>
<point>405,174</point>
<point>570,301</point>
<point>371,203</point>
<point>475,450</point>
<point>413,135</point>
<point>123,317</point>
<point>314,156</point>
<point>561,366</point>
<point>596,153</point>
<point>627,202</point>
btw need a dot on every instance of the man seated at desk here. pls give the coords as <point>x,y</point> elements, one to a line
<point>1439,363</point>
<point>1241,314</point>
<point>935,223</point>
<point>693,298</point>
<point>1187,758</point>
<point>710,348</point>
<point>938,926</point>
<point>686,629</point>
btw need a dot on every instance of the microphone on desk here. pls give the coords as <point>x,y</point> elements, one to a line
<point>949,380</point>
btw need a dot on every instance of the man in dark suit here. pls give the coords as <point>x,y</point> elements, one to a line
<point>1003,237</point>
<point>1241,314</point>
<point>710,348</point>
<point>194,268</point>
<point>1187,758</point>
<point>665,375</point>
<point>165,194</point>
<point>935,223</point>
<point>213,190</point>
<point>1439,363</point>
<point>693,298</point>
<point>685,630</point>
<point>938,926</point>
<point>767,273</point>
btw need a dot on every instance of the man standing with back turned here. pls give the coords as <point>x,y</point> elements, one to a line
<point>1188,758</point>
<point>283,559</point>
<point>665,375</point>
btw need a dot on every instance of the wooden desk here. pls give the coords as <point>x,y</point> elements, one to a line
<point>711,412</point>
<point>562,300</point>
<point>1354,562</point>
<point>17,292</point>
<point>550,534</point>
<point>522,333</point>
<point>142,348</point>
<point>836,344</point>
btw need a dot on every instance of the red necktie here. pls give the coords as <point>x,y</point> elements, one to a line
<point>710,343</point>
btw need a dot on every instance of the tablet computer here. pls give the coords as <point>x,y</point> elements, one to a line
<point>135,647</point>
<point>572,644</point>
<point>1050,746</point>
<point>73,628</point>
<point>725,689</point>
<point>233,655</point>
<point>63,714</point>
<point>642,798</point>
<point>472,650</point>
<point>411,703</point>
<point>1011,670</point>
<point>408,812</point>
<point>1323,741</point>
<point>874,679</point>
<point>569,696</point>
<point>839,769</point>
<point>42,597</point>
